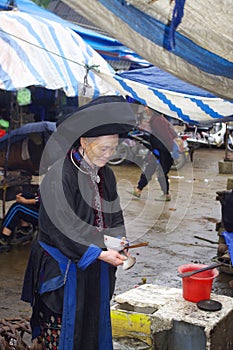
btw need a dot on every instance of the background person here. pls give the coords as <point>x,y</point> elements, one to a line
<point>70,277</point>
<point>24,210</point>
<point>160,159</point>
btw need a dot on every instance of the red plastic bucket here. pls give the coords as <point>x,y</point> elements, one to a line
<point>197,287</point>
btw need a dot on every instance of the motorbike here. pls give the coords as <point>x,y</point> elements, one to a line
<point>229,135</point>
<point>217,134</point>
<point>135,148</point>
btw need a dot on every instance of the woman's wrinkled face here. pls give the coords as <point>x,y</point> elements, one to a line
<point>99,149</point>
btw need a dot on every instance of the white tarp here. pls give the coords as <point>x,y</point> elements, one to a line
<point>41,52</point>
<point>202,51</point>
<point>190,104</point>
<point>59,58</point>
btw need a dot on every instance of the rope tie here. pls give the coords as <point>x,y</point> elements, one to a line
<point>85,80</point>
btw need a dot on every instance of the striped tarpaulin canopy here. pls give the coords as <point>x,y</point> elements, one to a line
<point>172,96</point>
<point>41,52</point>
<point>190,39</point>
<point>151,86</point>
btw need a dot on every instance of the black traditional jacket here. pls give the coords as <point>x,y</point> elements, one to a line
<point>59,228</point>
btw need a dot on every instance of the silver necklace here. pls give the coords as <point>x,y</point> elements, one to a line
<point>95,180</point>
<point>93,175</point>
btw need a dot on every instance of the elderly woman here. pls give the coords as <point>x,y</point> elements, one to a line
<point>70,277</point>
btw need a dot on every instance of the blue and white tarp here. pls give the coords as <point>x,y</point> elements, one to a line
<point>109,48</point>
<point>38,51</point>
<point>164,92</point>
<point>190,39</point>
<point>67,64</point>
<point>171,96</point>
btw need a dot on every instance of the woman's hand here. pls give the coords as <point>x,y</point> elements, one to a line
<point>21,199</point>
<point>112,257</point>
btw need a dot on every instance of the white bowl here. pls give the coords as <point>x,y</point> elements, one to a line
<point>114,243</point>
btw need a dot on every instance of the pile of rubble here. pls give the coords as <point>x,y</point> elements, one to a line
<point>13,334</point>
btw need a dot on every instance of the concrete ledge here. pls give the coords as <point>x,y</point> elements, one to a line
<point>132,325</point>
<point>225,167</point>
<point>230,184</point>
<point>170,322</point>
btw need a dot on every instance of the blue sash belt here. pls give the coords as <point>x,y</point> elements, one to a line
<point>229,241</point>
<point>68,278</point>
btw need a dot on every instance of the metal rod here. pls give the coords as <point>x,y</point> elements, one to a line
<point>205,239</point>
<point>137,245</point>
<point>194,272</point>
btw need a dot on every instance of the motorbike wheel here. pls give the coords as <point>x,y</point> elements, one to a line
<point>230,142</point>
<point>120,155</point>
<point>179,162</point>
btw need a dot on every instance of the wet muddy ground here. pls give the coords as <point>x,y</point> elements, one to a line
<point>170,228</point>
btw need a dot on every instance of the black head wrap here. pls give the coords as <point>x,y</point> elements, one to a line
<point>105,115</point>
